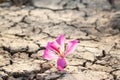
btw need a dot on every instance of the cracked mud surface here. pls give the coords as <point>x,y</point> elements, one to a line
<point>24,32</point>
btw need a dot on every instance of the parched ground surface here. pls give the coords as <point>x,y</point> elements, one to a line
<point>24,32</point>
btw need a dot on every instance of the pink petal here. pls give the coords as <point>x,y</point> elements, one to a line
<point>61,41</point>
<point>61,63</point>
<point>49,55</point>
<point>71,47</point>
<point>53,46</point>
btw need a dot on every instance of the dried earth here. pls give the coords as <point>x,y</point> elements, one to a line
<point>25,30</point>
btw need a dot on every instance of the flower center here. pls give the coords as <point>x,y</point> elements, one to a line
<point>61,53</point>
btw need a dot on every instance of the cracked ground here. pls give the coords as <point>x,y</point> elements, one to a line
<point>25,30</point>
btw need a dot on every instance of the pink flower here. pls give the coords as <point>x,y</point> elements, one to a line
<point>59,50</point>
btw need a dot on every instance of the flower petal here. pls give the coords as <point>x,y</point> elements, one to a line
<point>61,41</point>
<point>71,47</point>
<point>61,63</point>
<point>53,46</point>
<point>49,55</point>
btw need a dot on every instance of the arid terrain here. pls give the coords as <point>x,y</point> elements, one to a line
<point>25,30</point>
